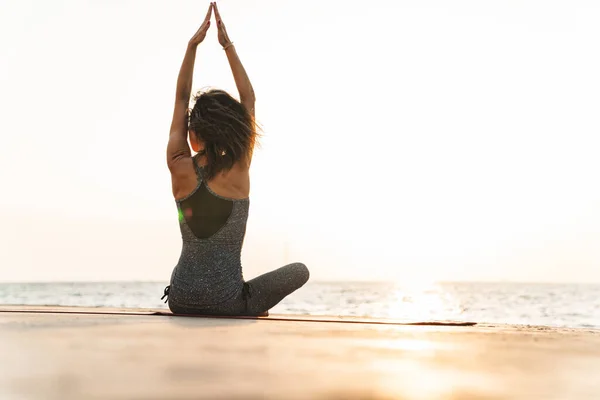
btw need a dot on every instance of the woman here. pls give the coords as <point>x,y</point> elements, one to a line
<point>211,191</point>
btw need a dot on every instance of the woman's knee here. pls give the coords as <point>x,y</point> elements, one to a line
<point>301,272</point>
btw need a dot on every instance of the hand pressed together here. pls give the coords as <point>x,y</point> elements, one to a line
<point>221,33</point>
<point>201,32</point>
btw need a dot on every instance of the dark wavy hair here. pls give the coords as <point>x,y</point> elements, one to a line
<point>226,128</point>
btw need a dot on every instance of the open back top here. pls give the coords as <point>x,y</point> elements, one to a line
<point>209,271</point>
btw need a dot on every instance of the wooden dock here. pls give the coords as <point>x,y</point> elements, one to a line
<point>80,353</point>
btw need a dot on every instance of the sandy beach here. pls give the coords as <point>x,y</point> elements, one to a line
<point>77,353</point>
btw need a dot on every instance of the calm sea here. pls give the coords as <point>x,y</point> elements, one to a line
<point>560,305</point>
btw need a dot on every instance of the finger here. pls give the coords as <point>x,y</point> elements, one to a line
<point>203,27</point>
<point>217,14</point>
<point>209,13</point>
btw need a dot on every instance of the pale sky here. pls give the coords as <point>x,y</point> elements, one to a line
<point>403,140</point>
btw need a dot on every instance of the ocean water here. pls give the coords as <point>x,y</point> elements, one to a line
<point>558,305</point>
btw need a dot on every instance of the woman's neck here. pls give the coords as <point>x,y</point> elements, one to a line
<point>200,159</point>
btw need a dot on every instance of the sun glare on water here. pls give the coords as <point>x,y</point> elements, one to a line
<point>422,300</point>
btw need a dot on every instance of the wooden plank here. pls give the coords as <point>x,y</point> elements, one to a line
<point>75,355</point>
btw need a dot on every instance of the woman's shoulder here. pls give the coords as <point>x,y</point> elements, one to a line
<point>233,184</point>
<point>185,177</point>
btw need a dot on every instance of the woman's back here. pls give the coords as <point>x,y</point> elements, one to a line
<point>213,227</point>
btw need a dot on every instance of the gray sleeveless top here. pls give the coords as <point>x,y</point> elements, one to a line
<point>209,271</point>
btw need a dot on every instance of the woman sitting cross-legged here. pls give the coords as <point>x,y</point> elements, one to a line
<point>211,190</point>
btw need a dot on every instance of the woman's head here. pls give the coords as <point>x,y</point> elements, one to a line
<point>221,129</point>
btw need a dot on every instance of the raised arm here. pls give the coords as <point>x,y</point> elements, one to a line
<point>178,150</point>
<point>242,82</point>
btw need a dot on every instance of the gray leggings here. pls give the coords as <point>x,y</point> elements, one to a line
<point>257,295</point>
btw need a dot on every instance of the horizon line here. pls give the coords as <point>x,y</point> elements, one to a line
<point>326,281</point>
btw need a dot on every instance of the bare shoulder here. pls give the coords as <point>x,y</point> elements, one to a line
<point>234,183</point>
<point>183,177</point>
